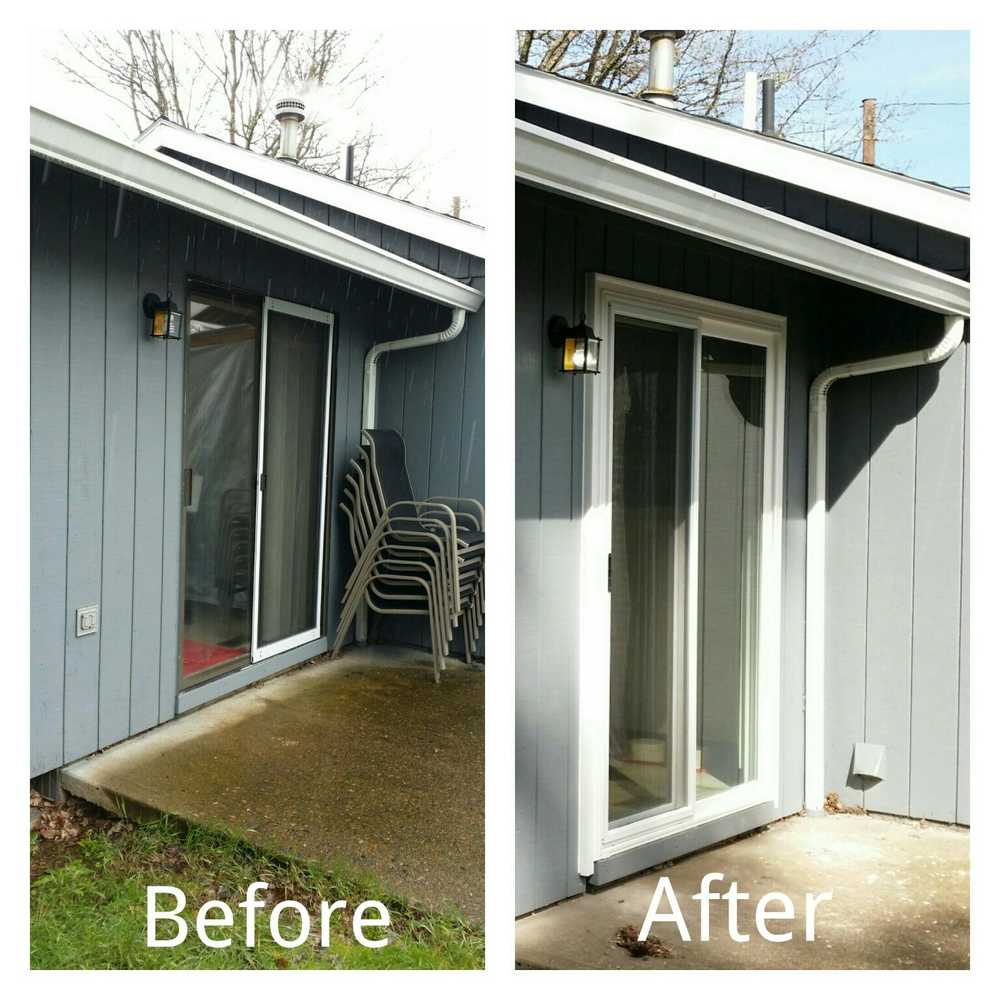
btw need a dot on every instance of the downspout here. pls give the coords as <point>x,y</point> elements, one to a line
<point>369,390</point>
<point>369,395</point>
<point>954,330</point>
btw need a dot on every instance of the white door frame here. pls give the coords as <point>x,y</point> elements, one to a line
<point>609,298</point>
<point>258,652</point>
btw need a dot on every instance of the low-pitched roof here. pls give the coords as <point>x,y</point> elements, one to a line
<point>893,193</point>
<point>164,178</point>
<point>579,170</point>
<point>403,215</point>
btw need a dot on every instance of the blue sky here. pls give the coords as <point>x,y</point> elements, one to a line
<point>918,66</point>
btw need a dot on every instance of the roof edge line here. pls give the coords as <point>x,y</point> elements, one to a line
<point>167,180</point>
<point>895,194</point>
<point>426,223</point>
<point>545,159</point>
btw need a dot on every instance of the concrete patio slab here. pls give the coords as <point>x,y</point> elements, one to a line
<point>362,761</point>
<point>900,901</point>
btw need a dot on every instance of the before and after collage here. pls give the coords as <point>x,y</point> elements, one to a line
<point>318,680</point>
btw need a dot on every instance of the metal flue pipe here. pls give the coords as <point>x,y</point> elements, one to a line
<point>662,57</point>
<point>289,112</point>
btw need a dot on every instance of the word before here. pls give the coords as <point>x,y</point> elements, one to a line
<point>771,907</point>
<point>216,913</point>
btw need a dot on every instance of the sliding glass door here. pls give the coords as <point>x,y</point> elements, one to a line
<point>650,490</point>
<point>731,457</point>
<point>682,498</point>
<point>292,459</point>
<point>256,431</point>
<point>220,438</point>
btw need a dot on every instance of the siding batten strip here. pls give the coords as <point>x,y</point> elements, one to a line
<point>49,366</point>
<point>119,474</point>
<point>86,460</point>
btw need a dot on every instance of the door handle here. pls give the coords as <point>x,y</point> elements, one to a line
<point>188,487</point>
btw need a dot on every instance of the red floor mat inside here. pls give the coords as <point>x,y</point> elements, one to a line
<point>202,655</point>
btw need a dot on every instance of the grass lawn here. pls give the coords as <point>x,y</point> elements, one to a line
<point>88,906</point>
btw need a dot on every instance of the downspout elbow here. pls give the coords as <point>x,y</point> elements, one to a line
<point>369,390</point>
<point>948,344</point>
<point>937,352</point>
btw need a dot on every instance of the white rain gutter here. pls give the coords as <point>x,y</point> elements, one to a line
<point>586,173</point>
<point>369,390</point>
<point>895,194</point>
<point>458,234</point>
<point>954,328</point>
<point>168,180</point>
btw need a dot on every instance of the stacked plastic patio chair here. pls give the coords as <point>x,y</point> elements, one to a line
<point>412,557</point>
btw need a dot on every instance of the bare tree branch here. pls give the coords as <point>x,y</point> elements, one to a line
<point>227,81</point>
<point>711,67</point>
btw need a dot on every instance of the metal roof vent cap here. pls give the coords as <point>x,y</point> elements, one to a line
<point>289,112</point>
<point>662,56</point>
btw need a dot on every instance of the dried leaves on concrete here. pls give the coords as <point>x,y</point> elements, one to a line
<point>628,938</point>
<point>834,805</point>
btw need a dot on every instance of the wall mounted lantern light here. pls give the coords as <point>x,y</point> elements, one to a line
<point>167,319</point>
<point>579,347</point>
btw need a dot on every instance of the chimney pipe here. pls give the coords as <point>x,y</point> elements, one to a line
<point>289,112</point>
<point>662,56</point>
<point>349,164</point>
<point>767,106</point>
<point>868,130</point>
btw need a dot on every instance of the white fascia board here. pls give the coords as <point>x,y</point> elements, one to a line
<point>586,173</point>
<point>464,236</point>
<point>882,190</point>
<point>169,181</point>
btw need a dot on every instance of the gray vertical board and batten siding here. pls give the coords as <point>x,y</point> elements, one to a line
<point>897,588</point>
<point>433,396</point>
<point>558,241</point>
<point>106,442</point>
<point>100,424</point>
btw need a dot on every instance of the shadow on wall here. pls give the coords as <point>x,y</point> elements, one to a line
<point>865,411</point>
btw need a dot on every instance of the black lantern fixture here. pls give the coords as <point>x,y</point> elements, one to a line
<point>579,347</point>
<point>167,319</point>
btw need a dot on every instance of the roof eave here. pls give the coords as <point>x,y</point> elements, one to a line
<point>456,234</point>
<point>835,176</point>
<point>169,181</point>
<point>586,173</point>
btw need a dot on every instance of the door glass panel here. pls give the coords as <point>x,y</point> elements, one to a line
<point>650,498</point>
<point>295,414</point>
<point>220,429</point>
<point>730,512</point>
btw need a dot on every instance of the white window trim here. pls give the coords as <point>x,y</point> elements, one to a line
<point>258,652</point>
<point>610,297</point>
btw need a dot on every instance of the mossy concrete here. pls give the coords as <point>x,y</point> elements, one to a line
<point>900,901</point>
<point>362,762</point>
